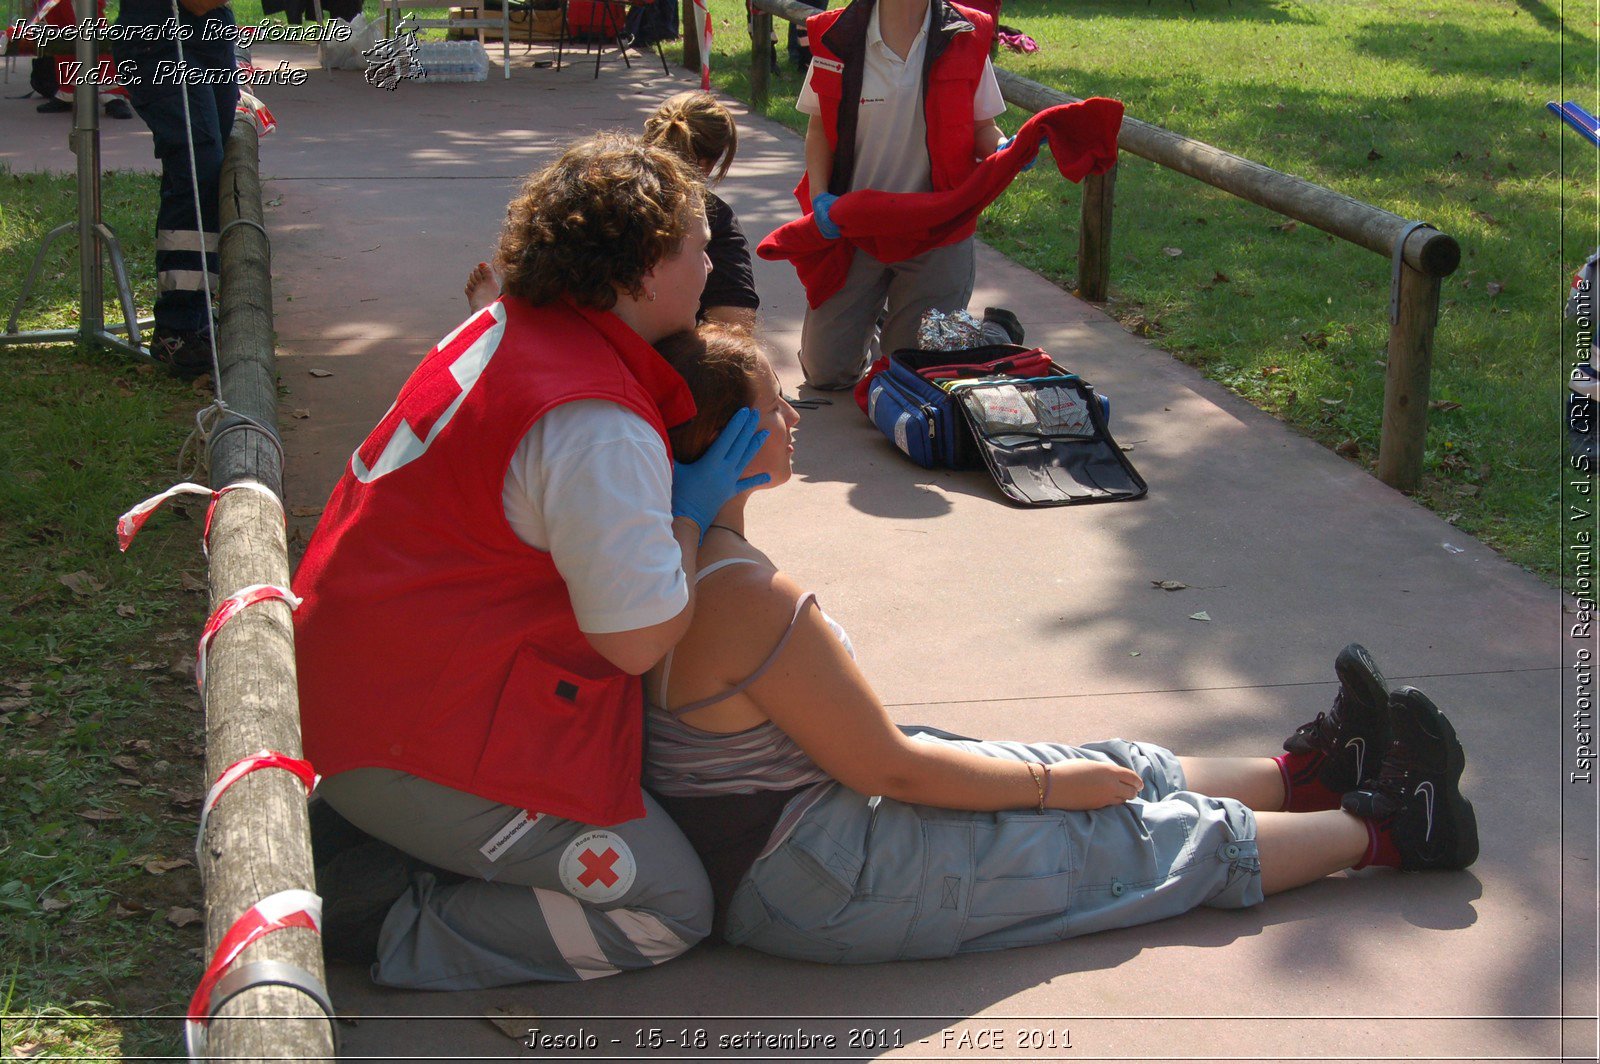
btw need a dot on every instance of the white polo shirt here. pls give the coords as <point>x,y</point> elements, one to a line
<point>891,130</point>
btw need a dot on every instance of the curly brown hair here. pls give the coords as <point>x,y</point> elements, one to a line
<point>597,220</point>
<point>696,126</point>
<point>721,367</point>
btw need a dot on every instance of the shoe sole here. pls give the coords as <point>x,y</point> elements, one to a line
<point>1460,810</point>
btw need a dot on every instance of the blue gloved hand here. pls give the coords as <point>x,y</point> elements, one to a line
<point>820,204</point>
<point>704,486</point>
<point>1005,142</point>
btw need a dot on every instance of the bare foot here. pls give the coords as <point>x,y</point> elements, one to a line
<point>482,287</point>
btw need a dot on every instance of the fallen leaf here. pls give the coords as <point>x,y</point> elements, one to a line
<point>1486,218</point>
<point>1443,405</point>
<point>24,1050</point>
<point>145,666</point>
<point>126,610</point>
<point>1201,616</point>
<point>305,511</point>
<point>1172,252</point>
<point>1494,288</point>
<point>1133,653</point>
<point>1329,402</point>
<point>99,814</point>
<point>1221,278</point>
<point>274,202</point>
<point>202,385</point>
<point>1168,585</point>
<point>1373,156</point>
<point>1348,448</point>
<point>81,583</point>
<point>181,916</point>
<point>301,413</point>
<point>8,704</point>
<point>320,372</point>
<point>1287,227</point>
<point>54,905</point>
<point>160,867</point>
<point>511,1024</point>
<point>190,582</point>
<point>183,799</point>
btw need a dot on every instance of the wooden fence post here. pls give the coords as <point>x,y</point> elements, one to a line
<point>691,38</point>
<point>1406,382</point>
<point>1094,236</point>
<point>760,57</point>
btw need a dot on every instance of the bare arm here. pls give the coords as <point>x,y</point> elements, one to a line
<point>988,137</point>
<point>819,157</point>
<point>815,692</point>
<point>635,651</point>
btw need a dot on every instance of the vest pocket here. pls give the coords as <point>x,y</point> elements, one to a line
<point>561,732</point>
<point>828,84</point>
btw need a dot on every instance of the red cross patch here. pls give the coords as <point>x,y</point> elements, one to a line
<point>597,866</point>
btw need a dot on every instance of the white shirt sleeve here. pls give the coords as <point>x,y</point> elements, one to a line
<point>987,102</point>
<point>591,484</point>
<point>807,102</point>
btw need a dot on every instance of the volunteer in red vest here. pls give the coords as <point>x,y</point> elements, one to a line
<point>902,99</point>
<point>504,555</point>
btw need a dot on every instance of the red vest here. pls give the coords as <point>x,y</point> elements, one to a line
<point>958,44</point>
<point>433,640</point>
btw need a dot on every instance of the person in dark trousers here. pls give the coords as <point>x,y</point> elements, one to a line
<point>799,43</point>
<point>186,245</point>
<point>45,76</point>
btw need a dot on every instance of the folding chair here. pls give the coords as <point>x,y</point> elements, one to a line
<point>613,22</point>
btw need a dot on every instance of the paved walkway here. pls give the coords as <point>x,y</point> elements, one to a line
<point>994,621</point>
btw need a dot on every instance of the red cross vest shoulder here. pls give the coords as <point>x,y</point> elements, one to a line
<point>432,640</point>
<point>958,44</point>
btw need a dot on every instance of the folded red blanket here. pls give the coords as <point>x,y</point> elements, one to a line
<point>895,226</point>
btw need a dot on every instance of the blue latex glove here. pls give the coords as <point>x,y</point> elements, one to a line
<point>819,212</point>
<point>704,486</point>
<point>1005,142</point>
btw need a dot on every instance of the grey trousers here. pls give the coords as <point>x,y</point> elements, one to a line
<point>861,880</point>
<point>555,900</point>
<point>836,339</point>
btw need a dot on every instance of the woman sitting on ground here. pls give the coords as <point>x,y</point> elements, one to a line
<point>766,744</point>
<point>697,128</point>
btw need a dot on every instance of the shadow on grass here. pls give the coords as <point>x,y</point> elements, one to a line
<point>1268,11</point>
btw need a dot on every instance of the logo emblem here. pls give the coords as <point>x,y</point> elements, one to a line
<point>1425,788</point>
<point>598,867</point>
<point>1361,756</point>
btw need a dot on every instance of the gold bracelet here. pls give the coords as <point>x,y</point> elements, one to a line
<point>1033,774</point>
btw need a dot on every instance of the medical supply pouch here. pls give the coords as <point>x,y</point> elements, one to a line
<point>1046,441</point>
<point>908,405</point>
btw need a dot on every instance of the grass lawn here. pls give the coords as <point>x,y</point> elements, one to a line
<point>101,725</point>
<point>1433,111</point>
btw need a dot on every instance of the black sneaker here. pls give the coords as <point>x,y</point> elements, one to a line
<point>55,105</point>
<point>186,354</point>
<point>117,107</point>
<point>1351,737</point>
<point>1417,797</point>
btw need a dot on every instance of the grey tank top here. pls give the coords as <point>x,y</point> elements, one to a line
<point>684,761</point>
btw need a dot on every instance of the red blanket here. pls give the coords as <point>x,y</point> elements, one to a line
<point>895,226</point>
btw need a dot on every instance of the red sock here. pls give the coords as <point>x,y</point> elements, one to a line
<point>1303,791</point>
<point>1380,848</point>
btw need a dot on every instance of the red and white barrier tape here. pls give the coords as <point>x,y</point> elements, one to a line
<point>225,612</point>
<point>129,524</point>
<point>250,105</point>
<point>287,908</point>
<point>241,768</point>
<point>705,45</point>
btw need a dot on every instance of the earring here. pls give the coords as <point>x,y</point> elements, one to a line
<point>651,295</point>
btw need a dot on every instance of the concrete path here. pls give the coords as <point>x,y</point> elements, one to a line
<point>994,621</point>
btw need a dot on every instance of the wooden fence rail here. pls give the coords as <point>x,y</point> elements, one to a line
<point>1419,255</point>
<point>257,839</point>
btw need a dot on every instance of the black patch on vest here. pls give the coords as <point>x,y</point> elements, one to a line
<point>568,690</point>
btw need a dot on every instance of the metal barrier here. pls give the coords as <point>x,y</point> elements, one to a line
<point>1419,255</point>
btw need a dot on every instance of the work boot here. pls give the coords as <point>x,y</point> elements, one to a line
<point>1339,750</point>
<point>1418,816</point>
<point>185,354</point>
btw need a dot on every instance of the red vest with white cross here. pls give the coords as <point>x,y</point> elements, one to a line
<point>432,640</point>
